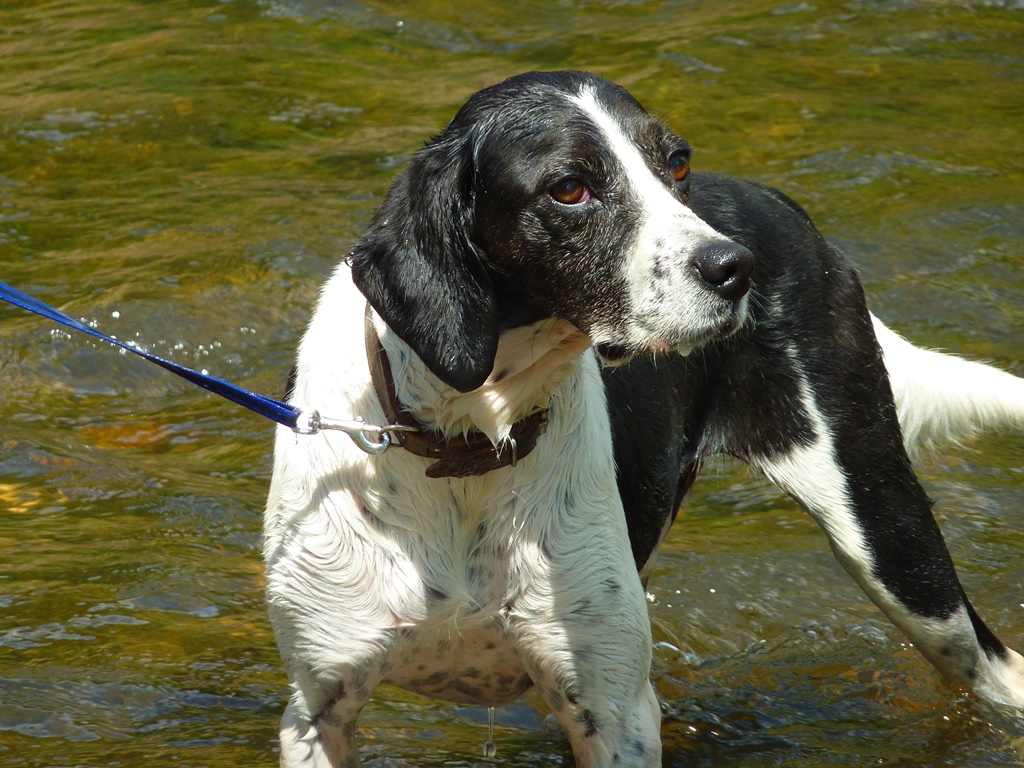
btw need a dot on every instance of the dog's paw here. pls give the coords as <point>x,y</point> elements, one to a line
<point>1004,683</point>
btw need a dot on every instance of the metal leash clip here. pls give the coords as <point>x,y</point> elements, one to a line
<point>312,422</point>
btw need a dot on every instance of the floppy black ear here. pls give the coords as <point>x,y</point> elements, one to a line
<point>418,268</point>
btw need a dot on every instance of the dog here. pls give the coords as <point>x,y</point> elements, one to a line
<point>562,321</point>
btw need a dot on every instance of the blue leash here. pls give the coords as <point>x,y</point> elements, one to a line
<point>370,438</point>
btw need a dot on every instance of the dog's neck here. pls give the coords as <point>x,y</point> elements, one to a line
<point>530,364</point>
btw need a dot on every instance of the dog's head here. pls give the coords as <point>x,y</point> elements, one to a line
<point>549,195</point>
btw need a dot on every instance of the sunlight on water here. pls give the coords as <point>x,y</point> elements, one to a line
<point>185,174</point>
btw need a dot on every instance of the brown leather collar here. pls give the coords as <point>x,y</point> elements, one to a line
<point>459,456</point>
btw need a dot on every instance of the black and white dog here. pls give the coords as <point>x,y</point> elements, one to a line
<point>554,225</point>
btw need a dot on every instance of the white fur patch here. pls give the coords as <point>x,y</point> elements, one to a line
<point>941,397</point>
<point>812,475</point>
<point>530,364</point>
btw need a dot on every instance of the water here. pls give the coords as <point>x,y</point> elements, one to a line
<point>185,174</point>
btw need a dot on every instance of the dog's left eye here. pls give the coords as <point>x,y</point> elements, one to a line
<point>679,166</point>
<point>570,191</point>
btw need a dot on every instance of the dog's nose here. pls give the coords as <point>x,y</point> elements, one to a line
<point>726,270</point>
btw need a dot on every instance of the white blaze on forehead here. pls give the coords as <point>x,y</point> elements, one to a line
<point>657,200</point>
<point>652,190</point>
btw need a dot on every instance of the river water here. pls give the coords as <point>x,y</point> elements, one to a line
<point>185,174</point>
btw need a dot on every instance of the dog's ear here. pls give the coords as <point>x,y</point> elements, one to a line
<point>418,267</point>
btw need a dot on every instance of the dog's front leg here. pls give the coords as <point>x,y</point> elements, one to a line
<point>584,636</point>
<point>855,479</point>
<point>326,740</point>
<point>334,633</point>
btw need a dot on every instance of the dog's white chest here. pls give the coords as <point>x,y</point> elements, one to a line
<point>451,589</point>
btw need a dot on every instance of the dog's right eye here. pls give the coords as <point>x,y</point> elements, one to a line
<point>679,166</point>
<point>570,191</point>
